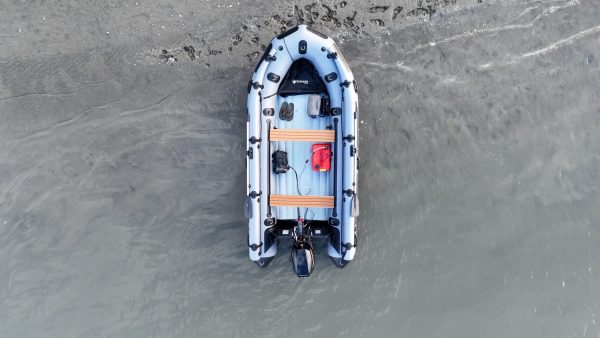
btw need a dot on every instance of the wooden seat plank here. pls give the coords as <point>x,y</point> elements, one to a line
<point>302,135</point>
<point>301,201</point>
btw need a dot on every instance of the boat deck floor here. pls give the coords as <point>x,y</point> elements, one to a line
<point>311,183</point>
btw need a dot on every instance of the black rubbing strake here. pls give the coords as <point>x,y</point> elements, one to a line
<point>263,56</point>
<point>287,33</point>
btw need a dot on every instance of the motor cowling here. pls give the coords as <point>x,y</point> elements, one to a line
<point>303,259</point>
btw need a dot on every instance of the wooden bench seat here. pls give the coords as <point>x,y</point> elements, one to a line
<point>301,201</point>
<point>302,135</point>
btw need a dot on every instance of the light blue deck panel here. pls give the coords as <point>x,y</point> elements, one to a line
<point>311,182</point>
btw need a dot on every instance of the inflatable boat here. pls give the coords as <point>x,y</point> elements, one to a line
<point>302,151</point>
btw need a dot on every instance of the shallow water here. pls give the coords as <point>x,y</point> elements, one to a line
<point>122,176</point>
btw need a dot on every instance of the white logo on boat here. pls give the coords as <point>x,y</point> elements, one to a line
<point>300,81</point>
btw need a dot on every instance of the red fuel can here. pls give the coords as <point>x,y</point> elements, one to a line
<point>321,157</point>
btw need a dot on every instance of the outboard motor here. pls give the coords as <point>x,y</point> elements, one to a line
<point>303,260</point>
